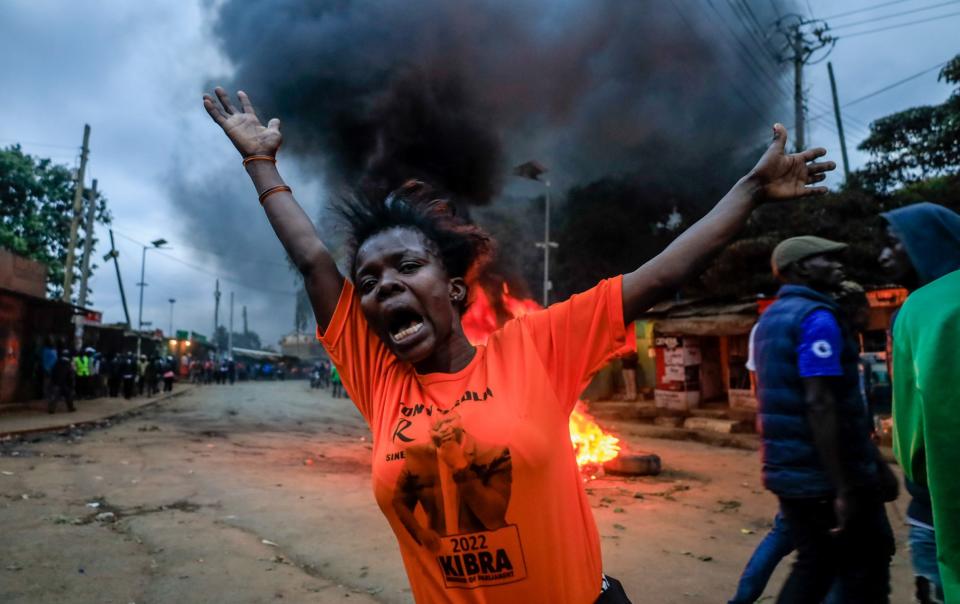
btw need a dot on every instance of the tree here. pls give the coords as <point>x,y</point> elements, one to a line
<point>610,227</point>
<point>916,144</point>
<point>36,206</point>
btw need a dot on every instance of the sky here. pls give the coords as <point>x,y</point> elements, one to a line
<point>135,72</point>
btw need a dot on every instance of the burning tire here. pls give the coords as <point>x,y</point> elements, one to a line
<point>641,464</point>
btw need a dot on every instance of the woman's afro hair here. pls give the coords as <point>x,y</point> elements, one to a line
<point>462,247</point>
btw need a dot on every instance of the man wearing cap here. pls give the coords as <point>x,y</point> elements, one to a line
<point>817,455</point>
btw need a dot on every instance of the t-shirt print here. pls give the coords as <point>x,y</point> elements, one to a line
<point>474,470</point>
<point>461,486</point>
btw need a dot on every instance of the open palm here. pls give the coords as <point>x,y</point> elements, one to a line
<point>243,127</point>
<point>784,176</point>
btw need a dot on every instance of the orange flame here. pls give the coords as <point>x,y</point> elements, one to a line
<point>591,444</point>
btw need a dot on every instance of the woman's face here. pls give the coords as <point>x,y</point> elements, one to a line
<point>406,295</point>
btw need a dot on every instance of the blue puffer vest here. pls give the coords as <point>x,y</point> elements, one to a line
<point>791,463</point>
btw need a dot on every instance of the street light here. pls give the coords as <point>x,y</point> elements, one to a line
<point>172,301</point>
<point>157,244</point>
<point>533,170</point>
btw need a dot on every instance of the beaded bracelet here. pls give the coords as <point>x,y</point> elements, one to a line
<point>272,190</point>
<point>250,158</point>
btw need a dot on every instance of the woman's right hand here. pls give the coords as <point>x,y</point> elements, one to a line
<point>243,127</point>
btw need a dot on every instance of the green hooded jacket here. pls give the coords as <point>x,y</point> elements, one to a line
<point>926,412</point>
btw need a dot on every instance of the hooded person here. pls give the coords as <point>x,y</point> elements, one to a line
<point>922,251</point>
<point>922,243</point>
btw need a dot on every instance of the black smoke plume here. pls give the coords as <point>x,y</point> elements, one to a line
<point>652,97</point>
<point>379,91</point>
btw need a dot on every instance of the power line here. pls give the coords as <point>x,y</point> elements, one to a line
<point>273,263</point>
<point>861,10</point>
<point>736,90</point>
<point>895,84</point>
<point>35,144</point>
<point>879,29</point>
<point>892,15</point>
<point>889,86</point>
<point>205,271</point>
<point>751,24</point>
<point>753,64</point>
<point>745,6</point>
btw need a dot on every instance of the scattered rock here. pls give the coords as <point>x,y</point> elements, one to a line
<point>106,517</point>
<point>728,505</point>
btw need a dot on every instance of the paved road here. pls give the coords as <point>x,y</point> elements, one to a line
<point>260,492</point>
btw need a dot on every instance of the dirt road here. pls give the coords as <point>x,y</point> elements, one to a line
<point>260,492</point>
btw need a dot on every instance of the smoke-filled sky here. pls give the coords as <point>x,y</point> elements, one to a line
<point>378,90</point>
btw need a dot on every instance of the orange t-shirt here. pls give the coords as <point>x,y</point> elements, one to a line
<point>475,470</point>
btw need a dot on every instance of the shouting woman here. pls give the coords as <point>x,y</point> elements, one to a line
<point>473,465</point>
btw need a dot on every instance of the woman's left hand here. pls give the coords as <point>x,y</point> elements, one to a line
<point>779,176</point>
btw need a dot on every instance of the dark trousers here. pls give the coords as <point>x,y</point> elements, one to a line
<point>858,558</point>
<point>60,390</point>
<point>612,593</point>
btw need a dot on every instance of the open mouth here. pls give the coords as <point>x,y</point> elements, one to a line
<point>403,325</point>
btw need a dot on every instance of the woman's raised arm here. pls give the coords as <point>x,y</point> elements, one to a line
<point>777,176</point>
<point>252,139</point>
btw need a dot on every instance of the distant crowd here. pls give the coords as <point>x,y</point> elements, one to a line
<point>68,376</point>
<point>228,371</point>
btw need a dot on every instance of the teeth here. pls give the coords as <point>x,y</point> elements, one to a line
<point>408,331</point>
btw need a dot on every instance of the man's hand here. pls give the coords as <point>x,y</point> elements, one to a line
<point>451,442</point>
<point>429,539</point>
<point>243,127</point>
<point>845,507</point>
<point>779,176</point>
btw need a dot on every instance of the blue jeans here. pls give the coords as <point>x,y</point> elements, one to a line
<point>775,547</point>
<point>923,557</point>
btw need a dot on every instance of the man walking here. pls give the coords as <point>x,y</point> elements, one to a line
<point>922,252</point>
<point>817,455</point>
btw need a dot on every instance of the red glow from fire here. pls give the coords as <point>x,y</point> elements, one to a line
<point>592,445</point>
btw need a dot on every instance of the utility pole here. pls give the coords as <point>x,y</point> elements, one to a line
<point>245,330</point>
<point>802,39</point>
<point>230,331</point>
<point>533,170</point>
<point>798,132</point>
<point>75,220</point>
<point>88,244</point>
<point>216,314</point>
<point>157,244</point>
<point>546,245</point>
<point>172,301</point>
<point>836,114</point>
<point>116,265</point>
